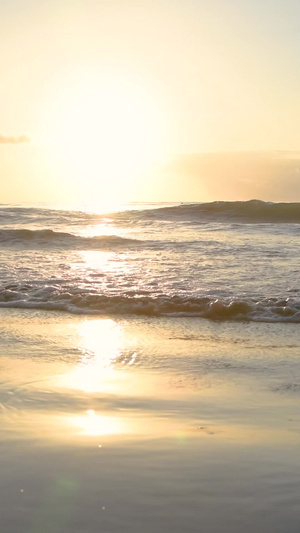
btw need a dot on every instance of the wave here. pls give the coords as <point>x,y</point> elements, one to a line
<point>58,297</point>
<point>252,211</point>
<point>23,215</point>
<point>48,238</point>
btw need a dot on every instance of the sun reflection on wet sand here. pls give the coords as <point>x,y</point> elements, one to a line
<point>100,342</point>
<point>102,338</point>
<point>174,421</point>
<point>94,424</point>
<point>89,393</point>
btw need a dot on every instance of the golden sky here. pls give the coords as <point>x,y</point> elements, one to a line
<point>149,100</point>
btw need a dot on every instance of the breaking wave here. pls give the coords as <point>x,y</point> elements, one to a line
<point>82,301</point>
<point>48,238</point>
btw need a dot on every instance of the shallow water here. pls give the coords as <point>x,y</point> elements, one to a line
<point>143,424</point>
<point>150,369</point>
<point>222,261</point>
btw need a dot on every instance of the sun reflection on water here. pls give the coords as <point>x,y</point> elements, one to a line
<point>93,424</point>
<point>100,342</point>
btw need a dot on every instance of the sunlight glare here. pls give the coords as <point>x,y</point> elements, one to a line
<point>100,343</point>
<point>105,131</point>
<point>92,424</point>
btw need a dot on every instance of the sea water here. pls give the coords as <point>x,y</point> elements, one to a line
<point>150,368</point>
<point>223,260</point>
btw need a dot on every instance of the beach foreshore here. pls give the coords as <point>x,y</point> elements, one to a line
<point>141,424</point>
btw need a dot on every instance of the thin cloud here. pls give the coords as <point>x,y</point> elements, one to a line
<point>13,140</point>
<point>273,175</point>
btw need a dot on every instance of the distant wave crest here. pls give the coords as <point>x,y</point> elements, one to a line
<point>251,211</point>
<point>48,238</point>
<point>255,211</point>
<point>76,300</point>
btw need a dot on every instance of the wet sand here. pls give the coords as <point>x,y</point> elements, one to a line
<point>148,425</point>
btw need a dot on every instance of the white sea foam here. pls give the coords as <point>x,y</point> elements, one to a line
<point>75,300</point>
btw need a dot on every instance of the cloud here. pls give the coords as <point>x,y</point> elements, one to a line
<point>13,140</point>
<point>273,175</point>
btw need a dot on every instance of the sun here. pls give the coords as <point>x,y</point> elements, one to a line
<point>104,133</point>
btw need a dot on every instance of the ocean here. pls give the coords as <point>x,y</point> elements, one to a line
<point>150,368</point>
<point>221,260</point>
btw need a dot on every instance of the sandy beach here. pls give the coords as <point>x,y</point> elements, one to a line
<point>149,266</point>
<point>138,425</point>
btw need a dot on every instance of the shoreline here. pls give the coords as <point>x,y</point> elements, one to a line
<point>147,425</point>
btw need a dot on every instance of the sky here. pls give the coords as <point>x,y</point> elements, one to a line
<point>153,100</point>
